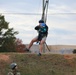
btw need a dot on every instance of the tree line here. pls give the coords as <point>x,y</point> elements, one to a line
<point>8,40</point>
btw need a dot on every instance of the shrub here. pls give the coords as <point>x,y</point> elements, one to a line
<point>74,51</point>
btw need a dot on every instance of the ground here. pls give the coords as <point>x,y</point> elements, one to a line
<point>4,57</point>
<point>31,64</point>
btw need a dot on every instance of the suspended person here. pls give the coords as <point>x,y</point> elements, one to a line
<point>42,29</point>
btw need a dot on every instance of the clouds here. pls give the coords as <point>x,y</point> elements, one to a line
<point>62,25</point>
<point>61,19</point>
<point>62,6</point>
<point>21,6</point>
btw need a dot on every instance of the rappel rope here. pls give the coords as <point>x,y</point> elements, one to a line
<point>44,14</point>
<point>45,10</point>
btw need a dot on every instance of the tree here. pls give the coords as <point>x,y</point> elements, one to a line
<point>7,36</point>
<point>20,46</point>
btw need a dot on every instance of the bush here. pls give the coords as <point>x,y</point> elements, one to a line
<point>74,51</point>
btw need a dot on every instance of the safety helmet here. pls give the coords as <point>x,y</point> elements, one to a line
<point>41,21</point>
<point>42,24</point>
<point>13,65</point>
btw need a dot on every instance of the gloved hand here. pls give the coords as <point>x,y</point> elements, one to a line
<point>37,27</point>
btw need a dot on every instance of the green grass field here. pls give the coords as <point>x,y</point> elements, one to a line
<point>31,64</point>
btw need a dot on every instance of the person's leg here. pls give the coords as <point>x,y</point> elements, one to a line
<point>41,44</point>
<point>32,41</point>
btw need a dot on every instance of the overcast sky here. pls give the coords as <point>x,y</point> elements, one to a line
<point>61,19</point>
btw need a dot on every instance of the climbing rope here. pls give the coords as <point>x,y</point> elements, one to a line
<point>45,10</point>
<point>44,14</point>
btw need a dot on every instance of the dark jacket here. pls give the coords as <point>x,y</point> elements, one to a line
<point>42,31</point>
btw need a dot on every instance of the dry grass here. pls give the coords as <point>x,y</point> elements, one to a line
<point>47,64</point>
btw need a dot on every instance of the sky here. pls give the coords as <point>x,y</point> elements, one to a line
<point>23,16</point>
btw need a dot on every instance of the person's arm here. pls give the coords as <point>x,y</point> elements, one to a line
<point>37,27</point>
